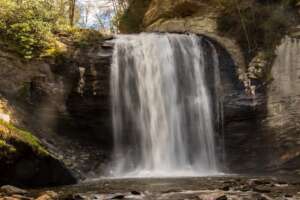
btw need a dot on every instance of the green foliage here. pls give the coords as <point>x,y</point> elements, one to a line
<point>80,38</point>
<point>6,149</point>
<point>259,26</point>
<point>10,135</point>
<point>83,38</point>
<point>27,27</point>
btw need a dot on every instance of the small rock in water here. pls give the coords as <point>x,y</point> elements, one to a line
<point>258,182</point>
<point>213,196</point>
<point>78,197</point>
<point>223,197</point>
<point>10,190</point>
<point>244,188</point>
<point>281,185</point>
<point>21,197</point>
<point>135,193</point>
<point>9,198</point>
<point>49,195</point>
<point>226,188</point>
<point>261,189</point>
<point>118,197</point>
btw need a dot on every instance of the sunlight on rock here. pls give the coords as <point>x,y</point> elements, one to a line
<point>4,111</point>
<point>4,117</point>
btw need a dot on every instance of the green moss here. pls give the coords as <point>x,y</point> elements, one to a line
<point>7,151</point>
<point>77,37</point>
<point>83,38</point>
<point>11,133</point>
<point>6,147</point>
<point>33,142</point>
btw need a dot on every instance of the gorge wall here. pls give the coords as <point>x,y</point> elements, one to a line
<point>262,115</point>
<point>66,101</point>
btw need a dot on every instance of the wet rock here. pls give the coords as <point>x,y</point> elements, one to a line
<point>213,196</point>
<point>281,185</point>
<point>244,188</point>
<point>223,197</point>
<point>226,188</point>
<point>49,195</point>
<point>11,190</point>
<point>261,189</point>
<point>21,197</point>
<point>120,196</point>
<point>263,198</point>
<point>9,198</point>
<point>135,193</point>
<point>288,195</point>
<point>78,197</point>
<point>258,182</point>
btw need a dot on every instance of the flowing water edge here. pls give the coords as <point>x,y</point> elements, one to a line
<point>162,107</point>
<point>233,187</point>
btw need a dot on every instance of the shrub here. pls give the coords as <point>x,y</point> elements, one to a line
<point>27,27</point>
<point>259,26</point>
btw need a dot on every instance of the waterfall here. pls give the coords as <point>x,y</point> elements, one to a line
<point>163,117</point>
<point>284,92</point>
<point>285,69</point>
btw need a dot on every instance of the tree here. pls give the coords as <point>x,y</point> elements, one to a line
<point>72,6</point>
<point>85,13</point>
<point>104,19</point>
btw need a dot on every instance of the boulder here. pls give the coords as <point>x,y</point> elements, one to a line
<point>10,190</point>
<point>49,195</point>
<point>25,162</point>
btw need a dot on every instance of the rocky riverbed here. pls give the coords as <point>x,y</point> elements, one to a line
<point>208,188</point>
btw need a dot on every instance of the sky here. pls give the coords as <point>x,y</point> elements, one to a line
<point>106,4</point>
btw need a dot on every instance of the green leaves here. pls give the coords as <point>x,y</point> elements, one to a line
<point>28,26</point>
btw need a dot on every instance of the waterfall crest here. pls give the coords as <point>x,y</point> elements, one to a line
<point>162,109</point>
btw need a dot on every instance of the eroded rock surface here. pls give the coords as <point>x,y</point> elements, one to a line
<point>210,188</point>
<point>48,98</point>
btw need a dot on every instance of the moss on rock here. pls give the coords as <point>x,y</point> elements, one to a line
<point>24,161</point>
<point>10,135</point>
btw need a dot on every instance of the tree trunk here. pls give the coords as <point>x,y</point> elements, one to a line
<point>72,11</point>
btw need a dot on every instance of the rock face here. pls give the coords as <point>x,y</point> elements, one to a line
<point>257,117</point>
<point>23,161</point>
<point>67,104</point>
<point>189,16</point>
<point>64,102</point>
<point>179,8</point>
<point>283,103</point>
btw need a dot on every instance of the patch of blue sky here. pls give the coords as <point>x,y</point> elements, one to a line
<point>97,8</point>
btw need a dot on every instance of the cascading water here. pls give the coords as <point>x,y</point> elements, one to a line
<point>162,109</point>
<point>285,70</point>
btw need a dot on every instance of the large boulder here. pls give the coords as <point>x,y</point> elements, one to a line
<point>23,160</point>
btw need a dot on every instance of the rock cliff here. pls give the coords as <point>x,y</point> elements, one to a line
<point>260,120</point>
<point>64,102</point>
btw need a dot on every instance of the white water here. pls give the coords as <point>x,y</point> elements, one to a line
<point>286,68</point>
<point>162,110</point>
